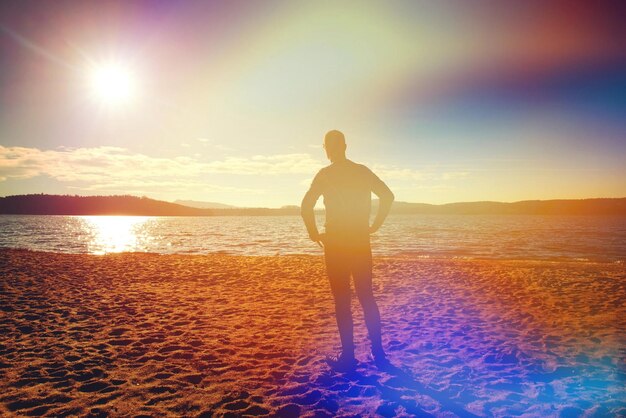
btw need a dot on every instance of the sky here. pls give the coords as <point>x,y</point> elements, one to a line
<point>229,101</point>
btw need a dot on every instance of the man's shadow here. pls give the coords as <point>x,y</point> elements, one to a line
<point>394,391</point>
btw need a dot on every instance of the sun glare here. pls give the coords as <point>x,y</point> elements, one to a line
<point>112,84</point>
<point>113,234</point>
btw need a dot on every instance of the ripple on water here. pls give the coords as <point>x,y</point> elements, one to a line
<point>574,238</point>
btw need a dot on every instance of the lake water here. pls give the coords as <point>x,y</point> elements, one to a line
<point>449,236</point>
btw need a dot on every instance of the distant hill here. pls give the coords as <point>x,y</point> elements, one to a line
<point>42,204</point>
<point>202,205</point>
<point>601,206</point>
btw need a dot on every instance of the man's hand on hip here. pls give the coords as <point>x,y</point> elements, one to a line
<point>318,238</point>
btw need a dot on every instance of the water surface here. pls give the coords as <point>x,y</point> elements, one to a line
<point>450,236</point>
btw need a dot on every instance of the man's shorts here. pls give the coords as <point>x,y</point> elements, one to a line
<point>347,254</point>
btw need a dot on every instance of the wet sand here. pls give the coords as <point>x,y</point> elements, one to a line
<point>218,335</point>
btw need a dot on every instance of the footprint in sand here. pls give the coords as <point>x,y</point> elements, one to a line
<point>293,390</point>
<point>237,405</point>
<point>97,386</point>
<point>193,378</point>
<point>116,332</point>
<point>308,398</point>
<point>183,355</point>
<point>170,348</point>
<point>121,342</point>
<point>162,389</point>
<point>290,410</point>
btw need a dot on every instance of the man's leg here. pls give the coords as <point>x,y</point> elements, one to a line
<point>340,286</point>
<point>339,278</point>
<point>362,273</point>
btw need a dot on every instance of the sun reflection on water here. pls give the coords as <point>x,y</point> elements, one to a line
<point>113,234</point>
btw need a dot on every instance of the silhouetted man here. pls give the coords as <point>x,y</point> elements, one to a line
<point>347,187</point>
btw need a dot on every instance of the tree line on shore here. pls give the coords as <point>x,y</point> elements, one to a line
<point>44,204</point>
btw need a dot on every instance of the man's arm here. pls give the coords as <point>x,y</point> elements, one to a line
<point>386,197</point>
<point>307,208</point>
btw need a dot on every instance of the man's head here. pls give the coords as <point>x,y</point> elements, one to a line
<point>335,145</point>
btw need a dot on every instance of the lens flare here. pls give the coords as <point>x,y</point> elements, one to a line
<point>112,84</point>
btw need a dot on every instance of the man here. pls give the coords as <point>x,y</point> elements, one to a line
<point>347,187</point>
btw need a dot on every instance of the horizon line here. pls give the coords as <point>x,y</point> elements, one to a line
<point>296,205</point>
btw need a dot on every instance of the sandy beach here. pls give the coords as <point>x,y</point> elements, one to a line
<point>137,334</point>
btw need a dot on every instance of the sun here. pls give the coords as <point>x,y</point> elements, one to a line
<point>112,84</point>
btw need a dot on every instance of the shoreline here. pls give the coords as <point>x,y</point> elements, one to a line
<point>377,256</point>
<point>209,335</point>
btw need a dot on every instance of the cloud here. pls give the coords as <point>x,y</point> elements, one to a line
<point>158,186</point>
<point>88,164</point>
<point>266,165</point>
<point>417,176</point>
<point>113,165</point>
<point>386,172</point>
<point>117,169</point>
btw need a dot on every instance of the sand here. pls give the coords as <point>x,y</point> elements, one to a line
<point>219,335</point>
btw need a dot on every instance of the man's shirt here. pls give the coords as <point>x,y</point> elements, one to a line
<point>347,187</point>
